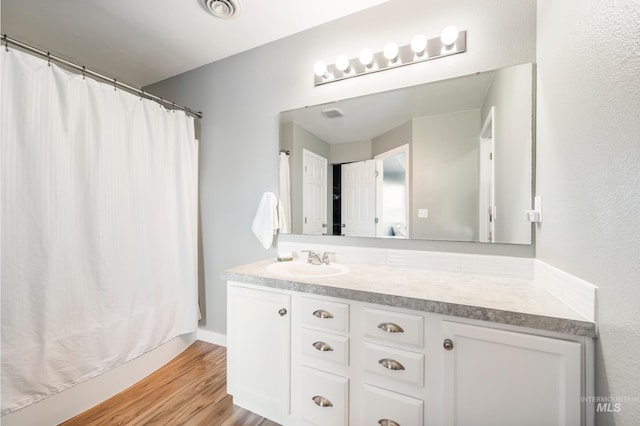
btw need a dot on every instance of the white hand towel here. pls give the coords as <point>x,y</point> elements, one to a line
<point>265,224</point>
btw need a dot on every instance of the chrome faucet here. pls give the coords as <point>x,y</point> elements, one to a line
<point>316,258</point>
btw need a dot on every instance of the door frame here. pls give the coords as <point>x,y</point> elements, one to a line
<point>379,178</point>
<point>486,180</point>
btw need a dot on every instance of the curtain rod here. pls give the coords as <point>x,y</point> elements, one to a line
<point>95,74</point>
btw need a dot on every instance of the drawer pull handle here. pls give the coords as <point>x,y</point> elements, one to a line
<point>387,422</point>
<point>322,347</point>
<point>322,401</point>
<point>390,327</point>
<point>320,313</point>
<point>391,364</point>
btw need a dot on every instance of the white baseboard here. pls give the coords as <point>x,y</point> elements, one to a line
<point>212,337</point>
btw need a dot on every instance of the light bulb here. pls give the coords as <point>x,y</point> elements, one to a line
<point>418,44</point>
<point>391,51</point>
<point>342,63</point>
<point>449,35</point>
<point>366,57</point>
<point>320,69</point>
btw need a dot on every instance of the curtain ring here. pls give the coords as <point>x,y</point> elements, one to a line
<point>83,75</point>
<point>48,58</point>
<point>173,107</point>
<point>141,93</point>
<point>6,42</point>
<point>114,84</point>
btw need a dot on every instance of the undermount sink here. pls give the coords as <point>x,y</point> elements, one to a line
<point>304,269</point>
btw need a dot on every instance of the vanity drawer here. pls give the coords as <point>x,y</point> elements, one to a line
<point>381,404</point>
<point>324,314</point>
<point>394,327</point>
<point>325,346</point>
<point>324,397</point>
<point>394,363</point>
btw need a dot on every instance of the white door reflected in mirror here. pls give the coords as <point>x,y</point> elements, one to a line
<point>314,180</point>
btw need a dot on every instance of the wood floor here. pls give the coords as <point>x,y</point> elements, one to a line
<point>189,390</point>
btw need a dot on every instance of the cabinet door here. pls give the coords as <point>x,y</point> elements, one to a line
<point>495,377</point>
<point>258,351</point>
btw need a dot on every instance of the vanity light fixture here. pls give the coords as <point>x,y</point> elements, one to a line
<point>391,52</point>
<point>450,42</point>
<point>320,69</point>
<point>342,63</point>
<point>419,44</point>
<point>449,36</point>
<point>366,58</point>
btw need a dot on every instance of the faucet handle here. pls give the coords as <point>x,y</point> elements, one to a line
<point>325,257</point>
<point>312,257</point>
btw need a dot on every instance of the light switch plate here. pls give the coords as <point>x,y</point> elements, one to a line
<point>423,213</point>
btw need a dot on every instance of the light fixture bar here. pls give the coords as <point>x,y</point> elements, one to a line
<point>434,49</point>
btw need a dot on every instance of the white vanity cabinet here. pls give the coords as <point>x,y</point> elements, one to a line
<point>497,377</point>
<point>259,350</point>
<point>331,361</point>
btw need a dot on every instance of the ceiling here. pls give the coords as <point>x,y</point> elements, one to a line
<point>144,41</point>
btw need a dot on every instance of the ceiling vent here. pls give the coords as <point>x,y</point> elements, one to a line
<point>224,9</point>
<point>332,113</point>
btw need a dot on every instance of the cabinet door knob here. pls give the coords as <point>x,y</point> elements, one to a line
<point>387,422</point>
<point>390,327</point>
<point>321,401</point>
<point>391,364</point>
<point>447,344</point>
<point>320,313</point>
<point>282,312</point>
<point>322,347</point>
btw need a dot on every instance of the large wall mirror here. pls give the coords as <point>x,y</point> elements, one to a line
<point>448,160</point>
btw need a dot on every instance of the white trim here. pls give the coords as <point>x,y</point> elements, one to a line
<point>212,337</point>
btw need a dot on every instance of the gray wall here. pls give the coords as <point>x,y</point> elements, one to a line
<point>511,94</point>
<point>350,152</point>
<point>588,172</point>
<point>401,135</point>
<point>241,98</point>
<point>444,161</point>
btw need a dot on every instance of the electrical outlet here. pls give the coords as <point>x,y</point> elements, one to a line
<point>423,213</point>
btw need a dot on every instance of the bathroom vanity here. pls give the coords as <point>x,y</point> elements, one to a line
<point>388,345</point>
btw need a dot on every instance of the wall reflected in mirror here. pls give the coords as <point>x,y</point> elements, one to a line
<point>448,160</point>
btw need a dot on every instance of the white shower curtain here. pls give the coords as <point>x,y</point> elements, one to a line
<point>99,228</point>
